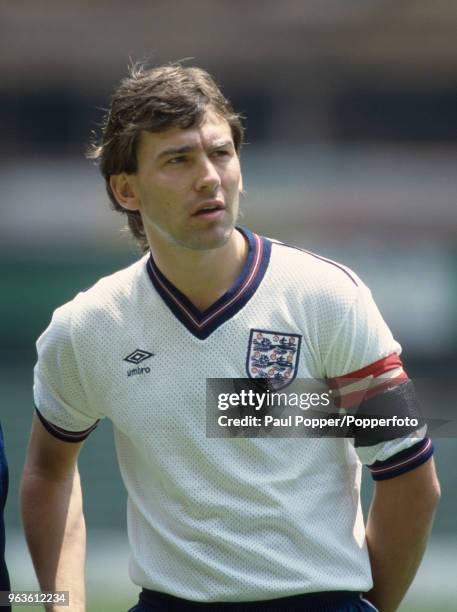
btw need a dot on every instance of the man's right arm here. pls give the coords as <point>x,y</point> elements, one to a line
<point>52,514</point>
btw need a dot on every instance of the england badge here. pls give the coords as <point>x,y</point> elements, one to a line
<point>273,356</point>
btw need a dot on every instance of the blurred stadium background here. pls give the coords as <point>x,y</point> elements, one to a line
<point>352,152</point>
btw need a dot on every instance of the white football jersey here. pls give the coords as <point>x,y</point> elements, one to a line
<point>228,519</point>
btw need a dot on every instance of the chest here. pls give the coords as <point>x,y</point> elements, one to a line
<point>155,373</point>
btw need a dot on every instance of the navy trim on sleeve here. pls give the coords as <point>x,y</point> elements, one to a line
<point>63,434</point>
<point>402,462</point>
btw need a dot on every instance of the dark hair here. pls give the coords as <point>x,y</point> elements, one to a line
<point>154,100</point>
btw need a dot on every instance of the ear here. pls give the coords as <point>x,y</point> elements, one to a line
<point>123,188</point>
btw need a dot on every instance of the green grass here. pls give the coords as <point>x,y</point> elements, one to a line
<point>104,605</point>
<point>120,604</point>
<point>436,608</point>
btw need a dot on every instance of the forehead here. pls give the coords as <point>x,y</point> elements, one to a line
<point>211,131</point>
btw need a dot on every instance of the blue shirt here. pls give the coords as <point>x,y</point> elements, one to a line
<point>4,578</point>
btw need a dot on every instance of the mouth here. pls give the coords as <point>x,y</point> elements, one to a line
<point>210,209</point>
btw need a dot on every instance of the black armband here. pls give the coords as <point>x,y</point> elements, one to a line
<point>391,414</point>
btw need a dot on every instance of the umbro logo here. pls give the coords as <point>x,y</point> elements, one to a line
<point>136,358</point>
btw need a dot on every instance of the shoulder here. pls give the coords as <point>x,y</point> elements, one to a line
<point>110,299</point>
<point>110,293</point>
<point>336,310</point>
<point>319,280</point>
<point>312,263</point>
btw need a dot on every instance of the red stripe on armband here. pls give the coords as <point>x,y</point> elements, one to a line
<point>351,389</point>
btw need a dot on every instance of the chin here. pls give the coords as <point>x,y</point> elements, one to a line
<point>209,239</point>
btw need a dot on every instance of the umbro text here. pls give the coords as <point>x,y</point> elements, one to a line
<point>136,371</point>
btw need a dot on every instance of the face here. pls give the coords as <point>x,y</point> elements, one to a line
<point>187,185</point>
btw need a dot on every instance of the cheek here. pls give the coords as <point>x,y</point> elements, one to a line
<point>232,178</point>
<point>154,200</point>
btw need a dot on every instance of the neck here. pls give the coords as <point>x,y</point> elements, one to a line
<point>203,276</point>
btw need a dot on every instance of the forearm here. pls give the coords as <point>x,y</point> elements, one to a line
<point>398,528</point>
<point>55,532</point>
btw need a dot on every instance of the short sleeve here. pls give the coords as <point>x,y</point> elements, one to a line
<point>363,352</point>
<point>361,337</point>
<point>61,398</point>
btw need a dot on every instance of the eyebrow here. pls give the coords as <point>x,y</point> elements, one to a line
<point>189,148</point>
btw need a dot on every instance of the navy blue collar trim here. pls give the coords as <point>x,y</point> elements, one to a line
<point>202,323</point>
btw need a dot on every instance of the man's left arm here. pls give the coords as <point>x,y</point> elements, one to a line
<point>399,523</point>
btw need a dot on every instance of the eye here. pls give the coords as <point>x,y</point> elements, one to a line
<point>222,153</point>
<point>178,159</point>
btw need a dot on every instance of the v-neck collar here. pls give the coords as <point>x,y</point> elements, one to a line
<point>202,323</point>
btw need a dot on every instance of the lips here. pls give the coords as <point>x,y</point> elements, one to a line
<point>207,207</point>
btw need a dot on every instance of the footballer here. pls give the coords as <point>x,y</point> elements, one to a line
<point>234,523</point>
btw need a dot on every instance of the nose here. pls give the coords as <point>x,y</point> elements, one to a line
<point>208,178</point>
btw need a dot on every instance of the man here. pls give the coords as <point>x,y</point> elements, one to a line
<point>230,523</point>
<point>4,578</point>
